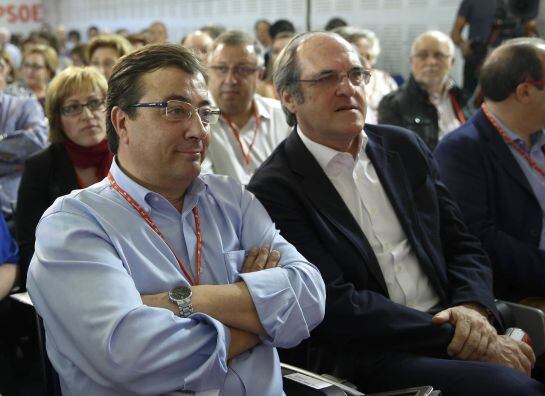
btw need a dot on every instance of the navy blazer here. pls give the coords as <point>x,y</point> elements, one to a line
<point>498,205</point>
<point>312,216</point>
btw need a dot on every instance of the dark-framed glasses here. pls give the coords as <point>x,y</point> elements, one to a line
<point>74,109</point>
<point>357,77</point>
<point>177,110</point>
<point>239,71</point>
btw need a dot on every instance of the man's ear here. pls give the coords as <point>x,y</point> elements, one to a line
<point>522,93</point>
<point>119,121</point>
<point>288,101</point>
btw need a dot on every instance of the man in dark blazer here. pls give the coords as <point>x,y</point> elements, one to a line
<point>386,237</point>
<point>499,181</point>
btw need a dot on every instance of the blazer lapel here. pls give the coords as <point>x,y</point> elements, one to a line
<point>329,203</point>
<point>391,173</point>
<point>501,151</point>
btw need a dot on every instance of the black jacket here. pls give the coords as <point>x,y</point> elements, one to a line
<point>409,107</point>
<point>48,175</point>
<point>360,317</point>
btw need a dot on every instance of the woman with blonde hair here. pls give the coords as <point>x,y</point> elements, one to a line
<point>39,66</point>
<point>77,157</point>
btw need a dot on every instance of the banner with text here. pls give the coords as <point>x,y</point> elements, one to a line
<point>21,16</point>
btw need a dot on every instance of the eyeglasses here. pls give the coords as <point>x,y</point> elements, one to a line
<point>75,109</point>
<point>176,110</point>
<point>437,55</point>
<point>33,66</point>
<point>239,71</point>
<point>357,77</point>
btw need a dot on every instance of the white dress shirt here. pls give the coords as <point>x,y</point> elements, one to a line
<point>447,119</point>
<point>225,156</point>
<point>358,185</point>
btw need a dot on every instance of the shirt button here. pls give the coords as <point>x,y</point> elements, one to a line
<point>417,120</point>
<point>397,268</point>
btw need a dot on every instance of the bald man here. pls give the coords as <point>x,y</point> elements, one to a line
<point>429,104</point>
<point>200,43</point>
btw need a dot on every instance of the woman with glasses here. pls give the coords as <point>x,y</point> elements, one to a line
<point>39,66</point>
<point>77,157</point>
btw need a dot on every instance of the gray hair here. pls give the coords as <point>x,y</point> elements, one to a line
<point>438,36</point>
<point>353,34</point>
<point>237,37</point>
<point>287,72</point>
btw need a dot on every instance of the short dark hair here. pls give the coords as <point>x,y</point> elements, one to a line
<point>281,25</point>
<point>125,84</point>
<point>511,64</point>
<point>334,23</point>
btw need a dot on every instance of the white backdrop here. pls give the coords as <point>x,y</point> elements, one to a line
<point>396,22</point>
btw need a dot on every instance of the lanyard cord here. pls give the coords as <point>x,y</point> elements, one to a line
<point>510,141</point>
<point>150,222</point>
<point>246,156</point>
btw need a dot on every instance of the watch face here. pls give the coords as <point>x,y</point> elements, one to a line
<point>180,293</point>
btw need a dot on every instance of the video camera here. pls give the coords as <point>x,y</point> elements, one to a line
<point>510,18</point>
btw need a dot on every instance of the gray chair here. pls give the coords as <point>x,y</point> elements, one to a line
<point>530,319</point>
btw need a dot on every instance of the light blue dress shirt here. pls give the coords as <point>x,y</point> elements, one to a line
<point>535,179</point>
<point>23,131</point>
<point>95,255</point>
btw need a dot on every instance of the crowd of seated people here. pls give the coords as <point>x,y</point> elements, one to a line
<point>291,112</point>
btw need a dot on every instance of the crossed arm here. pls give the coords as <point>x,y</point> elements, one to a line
<point>230,304</point>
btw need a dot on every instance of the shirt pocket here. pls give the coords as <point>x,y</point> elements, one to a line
<point>233,263</point>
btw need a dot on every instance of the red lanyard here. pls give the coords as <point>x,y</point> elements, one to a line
<point>510,141</point>
<point>246,156</point>
<point>457,108</point>
<point>150,222</point>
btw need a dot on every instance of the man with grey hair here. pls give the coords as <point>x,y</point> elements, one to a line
<point>251,126</point>
<point>429,104</point>
<point>409,290</point>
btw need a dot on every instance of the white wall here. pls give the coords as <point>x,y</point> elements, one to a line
<point>397,22</point>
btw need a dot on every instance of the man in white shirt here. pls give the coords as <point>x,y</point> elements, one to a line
<point>409,291</point>
<point>251,126</point>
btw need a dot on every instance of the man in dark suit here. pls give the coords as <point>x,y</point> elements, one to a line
<point>367,208</point>
<point>495,167</point>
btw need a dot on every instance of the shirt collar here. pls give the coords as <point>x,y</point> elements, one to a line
<point>537,138</point>
<point>144,197</point>
<point>261,108</point>
<point>323,154</point>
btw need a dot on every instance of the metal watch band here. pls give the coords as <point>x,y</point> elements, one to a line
<point>185,309</point>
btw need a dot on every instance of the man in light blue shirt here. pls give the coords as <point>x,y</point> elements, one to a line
<point>149,282</point>
<point>23,131</point>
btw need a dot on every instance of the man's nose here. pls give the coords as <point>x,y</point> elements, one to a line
<point>231,76</point>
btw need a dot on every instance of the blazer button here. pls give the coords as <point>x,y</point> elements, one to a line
<point>534,232</point>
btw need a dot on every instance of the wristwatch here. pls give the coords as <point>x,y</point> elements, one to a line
<point>181,296</point>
